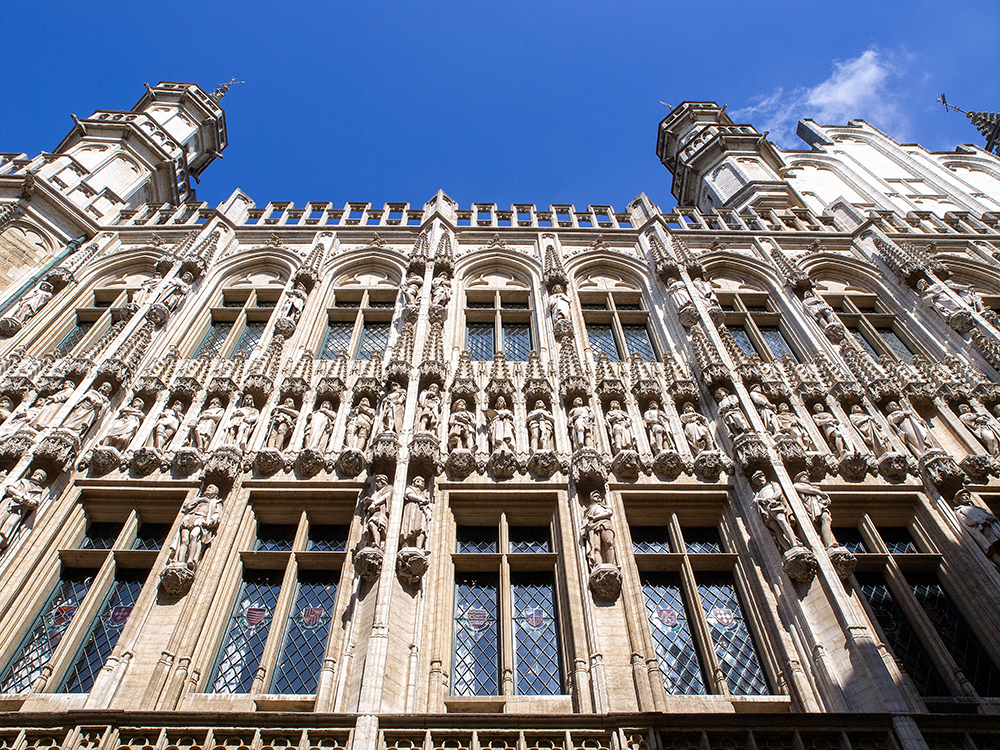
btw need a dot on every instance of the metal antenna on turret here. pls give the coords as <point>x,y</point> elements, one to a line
<point>987,123</point>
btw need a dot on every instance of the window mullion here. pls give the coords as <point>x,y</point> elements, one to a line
<point>359,327</point>
<point>506,631</point>
<point>268,668</point>
<point>498,345</point>
<point>700,629</point>
<point>763,350</point>
<point>619,334</point>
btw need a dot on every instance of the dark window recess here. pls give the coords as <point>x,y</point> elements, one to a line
<point>477,539</point>
<point>328,537</point>
<point>850,537</point>
<point>650,539</point>
<point>273,537</point>
<point>101,535</point>
<point>702,539</point>
<point>75,336</point>
<point>528,539</point>
<point>151,536</point>
<point>898,540</point>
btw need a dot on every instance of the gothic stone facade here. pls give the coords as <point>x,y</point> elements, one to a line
<point>433,477</point>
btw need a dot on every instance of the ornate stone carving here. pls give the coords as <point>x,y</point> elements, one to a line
<point>750,452</point>
<point>461,428</point>
<point>390,412</point>
<point>599,542</point>
<point>429,409</point>
<point>425,452</point>
<point>581,425</point>
<point>385,448</point>
<point>588,467</point>
<point>13,446</point>
<point>869,429</point>
<point>46,412</point>
<point>283,420</point>
<point>829,425</point>
<point>360,422</point>
<point>200,518</point>
<point>502,464</point>
<point>910,428</point>
<point>620,429</point>
<point>709,465</point>
<point>980,425</point>
<point>980,467</point>
<point>657,428</point>
<point>824,316</point>
<point>936,296</point>
<point>559,312</point>
<point>855,466</point>
<point>203,430</point>
<point>981,524</point>
<point>669,464</point>
<point>351,463</point>
<point>942,472</point>
<point>895,466</point>
<point>411,560</point>
<point>147,460</point>
<point>269,461</point>
<point>697,430</point>
<point>461,463</point>
<point>541,428</point>
<point>310,462</point>
<point>798,560</point>
<point>627,465</point>
<point>242,423</point>
<point>223,466</point>
<point>731,412</point>
<point>817,504</point>
<point>26,308</point>
<point>320,428</point>
<point>544,463</point>
<point>411,287</point>
<point>57,450</point>
<point>677,290</point>
<point>704,290</point>
<point>24,496</point>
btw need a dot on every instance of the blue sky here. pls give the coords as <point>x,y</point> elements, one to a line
<point>550,102</point>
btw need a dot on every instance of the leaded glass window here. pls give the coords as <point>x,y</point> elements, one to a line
<point>246,635</point>
<point>669,624</point>
<point>374,340</point>
<point>638,342</point>
<point>602,339</point>
<point>731,636</point>
<point>650,540</point>
<point>101,535</point>
<point>46,632</point>
<point>275,537</point>
<point>850,537</point>
<point>537,663</point>
<point>702,539</point>
<point>215,339</point>
<point>327,537</point>
<point>516,341</point>
<point>863,343</point>
<point>253,331</point>
<point>75,336</point>
<point>777,342</point>
<point>479,340</point>
<point>529,539</point>
<point>894,342</point>
<point>477,539</point>
<point>743,339</point>
<point>104,631</point>
<point>338,339</point>
<point>306,634</point>
<point>151,536</point>
<point>898,540</point>
<point>476,665</point>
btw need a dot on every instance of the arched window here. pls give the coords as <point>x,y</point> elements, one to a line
<point>497,315</point>
<point>616,319</point>
<point>239,324</point>
<point>360,320</point>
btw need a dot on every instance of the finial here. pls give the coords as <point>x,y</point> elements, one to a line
<point>223,88</point>
<point>987,123</point>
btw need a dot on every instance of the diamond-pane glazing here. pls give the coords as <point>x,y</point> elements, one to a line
<point>528,539</point>
<point>328,537</point>
<point>776,342</point>
<point>734,644</point>
<point>338,339</point>
<point>898,540</point>
<point>638,342</point>
<point>516,341</point>
<point>861,341</point>
<point>253,331</point>
<point>275,537</point>
<point>958,637</point>
<point>306,635</point>
<point>850,537</point>
<point>151,536</point>
<point>602,339</point>
<point>246,635</point>
<point>214,340</point>
<point>374,340</point>
<point>101,535</point>
<point>477,539</point>
<point>46,632</point>
<point>537,669</point>
<point>104,631</point>
<point>650,539</point>
<point>476,664</point>
<point>742,338</point>
<point>668,623</point>
<point>75,336</point>
<point>702,539</point>
<point>900,636</point>
<point>895,343</point>
<point>479,341</point>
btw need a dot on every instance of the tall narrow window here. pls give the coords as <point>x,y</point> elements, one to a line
<point>75,336</point>
<point>306,634</point>
<point>476,667</point>
<point>364,311</point>
<point>498,320</point>
<point>536,635</point>
<point>479,340</point>
<point>753,321</point>
<point>252,333</point>
<point>617,325</point>
<point>734,646</point>
<point>249,625</point>
<point>338,339</point>
<point>872,327</point>
<point>215,339</point>
<point>602,339</point>
<point>638,342</point>
<point>374,340</point>
<point>669,624</point>
<point>516,341</point>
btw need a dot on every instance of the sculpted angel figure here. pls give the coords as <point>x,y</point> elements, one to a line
<point>391,409</point>
<point>429,409</point>
<point>541,428</point>
<point>204,429</point>
<point>461,428</point>
<point>769,501</point>
<point>242,423</point>
<point>501,429</point>
<point>657,428</point>
<point>982,427</point>
<point>581,425</point>
<point>696,429</point>
<point>282,423</point>
<point>869,429</point>
<point>910,428</point>
<point>320,427</point>
<point>829,425</point>
<point>620,427</point>
<point>24,495</point>
<point>125,425</point>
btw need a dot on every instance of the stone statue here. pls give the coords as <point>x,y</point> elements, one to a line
<point>679,294</point>
<point>24,496</point>
<point>581,425</point>
<point>200,517</point>
<point>391,409</point>
<point>697,430</point>
<point>769,501</point>
<point>416,515</point>
<point>167,425</point>
<point>817,504</point>
<point>541,428</point>
<point>980,425</point>
<point>441,290</point>
<point>829,425</point>
<point>968,294</point>
<point>819,309</point>
<point>620,427</point>
<point>320,427</point>
<point>242,423</point>
<point>658,428</point>
<point>429,409</point>
<point>765,409</point>
<point>125,425</point>
<point>869,429</point>
<point>88,410</point>
<point>501,427</point>
<point>360,421</point>
<point>731,412</point>
<point>52,405</point>
<point>599,534</point>
<point>910,428</point>
<point>789,424</point>
<point>175,290</point>
<point>28,306</point>
<point>461,428</point>
<point>558,307</point>
<point>147,290</point>
<point>282,423</point>
<point>377,513</point>
<point>705,291</point>
<point>982,524</point>
<point>204,429</point>
<point>411,288</point>
<point>295,302</point>
<point>6,412</point>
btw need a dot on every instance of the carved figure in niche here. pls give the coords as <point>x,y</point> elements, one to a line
<point>125,425</point>
<point>599,534</point>
<point>295,302</point>
<point>980,522</point>
<point>697,430</point>
<point>658,428</point>
<point>829,425</point>
<point>980,425</point>
<point>461,428</point>
<point>6,408</point>
<point>967,293</point>
<point>679,294</point>
<point>416,515</point>
<point>282,424</point>
<point>411,288</point>
<point>819,309</point>
<point>541,428</point>
<point>28,306</point>
<point>242,423</point>
<point>320,427</point>
<point>765,408</point>
<point>377,512</point>
<point>391,409</point>
<point>620,427</point>
<point>558,306</point>
<point>359,426</point>
<point>429,411</point>
<point>167,425</point>
<point>88,410</point>
<point>790,424</point>
<point>441,289</point>
<point>51,405</point>
<point>204,429</point>
<point>731,412</point>
<point>501,428</point>
<point>175,290</point>
<point>200,517</point>
<point>581,425</point>
<point>146,291</point>
<point>910,428</point>
<point>817,504</point>
<point>705,291</point>
<point>869,429</point>
<point>24,496</point>
<point>769,501</point>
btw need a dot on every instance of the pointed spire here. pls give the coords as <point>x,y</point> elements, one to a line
<point>419,254</point>
<point>444,258</point>
<point>795,277</point>
<point>553,272</point>
<point>988,124</point>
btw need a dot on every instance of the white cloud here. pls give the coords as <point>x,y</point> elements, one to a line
<point>864,87</point>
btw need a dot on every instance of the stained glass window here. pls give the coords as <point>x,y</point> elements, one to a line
<point>650,539</point>
<point>46,632</point>
<point>602,339</point>
<point>516,341</point>
<point>477,539</point>
<point>702,539</point>
<point>374,340</point>
<point>215,339</point>
<point>101,535</point>
<point>900,635</point>
<point>638,342</point>
<point>537,668</point>
<point>75,336</point>
<point>669,625</point>
<point>251,336</point>
<point>104,631</point>
<point>743,339</point>
<point>479,340</point>
<point>338,339</point>
<point>895,343</point>
<point>776,342</point>
<point>734,644</point>
<point>306,634</point>
<point>246,635</point>
<point>528,539</point>
<point>476,665</point>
